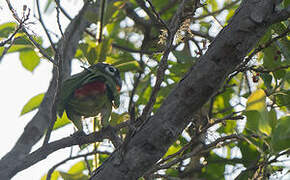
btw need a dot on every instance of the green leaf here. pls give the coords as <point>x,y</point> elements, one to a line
<point>32,104</point>
<point>214,170</point>
<point>129,66</point>
<point>172,149</point>
<point>54,176</point>
<point>89,52</point>
<point>272,118</point>
<point>267,78</point>
<point>6,29</point>
<point>182,57</point>
<point>256,101</point>
<point>77,176</point>
<point>16,48</point>
<point>283,98</point>
<point>230,15</point>
<point>78,167</point>
<point>29,59</point>
<point>172,172</point>
<point>213,3</point>
<point>118,118</point>
<point>281,135</point>
<point>253,118</point>
<point>286,3</point>
<point>257,114</point>
<point>249,152</point>
<point>103,49</point>
<point>61,121</point>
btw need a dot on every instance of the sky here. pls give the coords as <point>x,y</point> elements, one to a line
<point>19,85</point>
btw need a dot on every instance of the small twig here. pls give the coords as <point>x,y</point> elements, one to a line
<point>260,48</point>
<point>38,46</point>
<point>58,19</point>
<point>248,82</point>
<point>62,10</point>
<point>10,38</point>
<point>6,49</point>
<point>102,14</point>
<point>44,27</point>
<point>176,21</point>
<point>157,15</point>
<point>262,70</point>
<point>217,121</point>
<point>123,48</point>
<point>199,149</point>
<point>218,11</point>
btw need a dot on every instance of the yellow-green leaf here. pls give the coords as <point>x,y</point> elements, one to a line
<point>6,29</point>
<point>77,168</point>
<point>54,176</point>
<point>77,176</point>
<point>29,59</point>
<point>256,101</point>
<point>61,121</point>
<point>172,150</point>
<point>32,104</point>
<point>128,66</point>
<point>258,118</point>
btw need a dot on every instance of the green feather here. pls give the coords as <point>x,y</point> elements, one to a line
<point>89,106</point>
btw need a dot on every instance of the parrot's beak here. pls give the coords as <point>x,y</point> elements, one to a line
<point>118,88</point>
<point>118,84</point>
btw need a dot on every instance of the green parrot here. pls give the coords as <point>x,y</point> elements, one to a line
<point>90,92</point>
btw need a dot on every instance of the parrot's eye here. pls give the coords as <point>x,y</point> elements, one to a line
<point>111,70</point>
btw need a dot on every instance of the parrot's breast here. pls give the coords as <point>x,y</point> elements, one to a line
<point>88,99</point>
<point>90,89</point>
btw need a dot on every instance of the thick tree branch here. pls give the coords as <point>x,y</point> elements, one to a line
<point>36,128</point>
<point>49,148</point>
<point>228,49</point>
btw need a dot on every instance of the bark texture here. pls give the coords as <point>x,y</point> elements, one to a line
<point>37,127</point>
<point>150,143</point>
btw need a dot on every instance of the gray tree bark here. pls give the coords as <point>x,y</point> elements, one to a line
<point>150,143</point>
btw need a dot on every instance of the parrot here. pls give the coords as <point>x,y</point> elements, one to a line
<point>93,91</point>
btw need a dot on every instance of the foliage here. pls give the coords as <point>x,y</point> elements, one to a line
<point>258,91</point>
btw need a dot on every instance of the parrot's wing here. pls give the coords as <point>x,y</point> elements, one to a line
<point>74,82</point>
<point>111,84</point>
<point>113,93</point>
<point>69,86</point>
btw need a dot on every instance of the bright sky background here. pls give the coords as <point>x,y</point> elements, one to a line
<point>19,85</point>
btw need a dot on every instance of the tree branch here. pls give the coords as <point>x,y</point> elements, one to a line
<point>228,49</point>
<point>36,128</point>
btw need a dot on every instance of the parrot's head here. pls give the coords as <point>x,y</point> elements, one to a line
<point>108,72</point>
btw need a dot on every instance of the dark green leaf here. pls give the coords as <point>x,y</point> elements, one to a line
<point>281,135</point>
<point>267,78</point>
<point>283,98</point>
